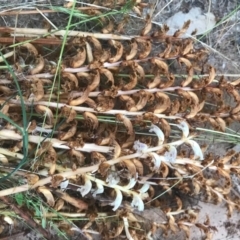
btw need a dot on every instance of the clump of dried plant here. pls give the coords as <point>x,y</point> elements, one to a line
<point>116,124</point>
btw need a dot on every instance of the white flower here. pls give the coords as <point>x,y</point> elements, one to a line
<point>158,132</point>
<point>184,127</point>
<point>86,188</point>
<point>131,183</point>
<point>137,202</point>
<point>99,190</point>
<point>171,154</point>
<point>126,225</point>
<point>113,179</point>
<point>144,188</point>
<point>156,160</point>
<point>198,154</point>
<point>64,184</point>
<point>140,147</point>
<point>118,199</point>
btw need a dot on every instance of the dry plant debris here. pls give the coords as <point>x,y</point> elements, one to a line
<point>116,126</point>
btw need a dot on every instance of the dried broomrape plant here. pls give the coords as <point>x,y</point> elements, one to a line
<point>120,127</point>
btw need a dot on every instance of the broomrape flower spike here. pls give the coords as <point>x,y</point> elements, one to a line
<point>158,132</point>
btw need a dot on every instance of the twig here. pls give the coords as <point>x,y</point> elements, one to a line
<point>28,219</point>
<point>47,41</point>
<point>44,32</point>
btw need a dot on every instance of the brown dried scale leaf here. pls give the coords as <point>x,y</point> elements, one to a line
<point>116,148</point>
<point>122,24</point>
<point>77,142</point>
<point>133,82</point>
<point>30,47</point>
<point>104,168</point>
<point>236,109</point>
<point>139,166</point>
<point>142,101</point>
<point>108,74</point>
<point>163,67</point>
<point>47,194</point>
<point>79,59</point>
<point>133,50</point>
<point>102,141</point>
<point>39,66</point>
<point>96,43</point>
<point>32,178</point>
<point>170,81</point>
<point>95,80</point>
<point>77,156</point>
<point>59,204</point>
<point>148,26</point>
<point>82,99</point>
<point>70,133</point>
<point>76,202</point>
<point>236,82</point>
<point>97,157</point>
<point>212,74</point>
<point>127,123</point>
<point>104,104</point>
<point>156,81</point>
<point>130,103</point>
<point>189,78</point>
<point>129,141</point>
<point>94,83</point>
<point>69,113</point>
<point>4,107</point>
<point>171,223</point>
<point>71,77</point>
<point>119,50</point>
<point>56,180</point>
<point>164,170</point>
<point>183,30</point>
<point>37,91</point>
<point>188,47</point>
<point>228,156</point>
<point>146,48</point>
<point>117,231</point>
<point>130,166</point>
<point>43,110</point>
<point>109,28</point>
<point>163,102</point>
<point>91,120</point>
